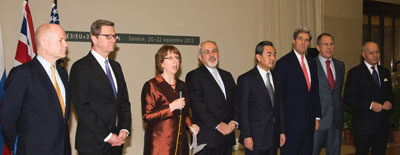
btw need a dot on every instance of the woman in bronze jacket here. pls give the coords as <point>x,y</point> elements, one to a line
<point>165,113</point>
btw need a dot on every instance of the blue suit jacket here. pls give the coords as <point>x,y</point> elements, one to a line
<point>301,106</point>
<point>30,109</point>
<point>259,118</point>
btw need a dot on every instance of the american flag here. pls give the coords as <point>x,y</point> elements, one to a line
<point>54,14</point>
<point>26,48</point>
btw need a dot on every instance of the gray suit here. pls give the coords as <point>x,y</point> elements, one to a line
<point>331,122</point>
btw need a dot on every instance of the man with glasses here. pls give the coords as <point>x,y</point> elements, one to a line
<point>100,96</point>
<point>212,99</point>
<point>330,78</point>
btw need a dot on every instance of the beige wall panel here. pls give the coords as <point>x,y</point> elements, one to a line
<point>352,9</point>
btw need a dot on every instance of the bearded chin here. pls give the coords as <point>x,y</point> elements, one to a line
<point>212,64</point>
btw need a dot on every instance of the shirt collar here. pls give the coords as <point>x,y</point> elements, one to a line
<point>44,62</point>
<point>98,57</point>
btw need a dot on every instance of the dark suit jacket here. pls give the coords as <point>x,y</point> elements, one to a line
<point>329,97</point>
<point>260,119</point>
<point>94,101</point>
<point>209,106</point>
<point>301,106</point>
<point>360,91</point>
<point>30,109</point>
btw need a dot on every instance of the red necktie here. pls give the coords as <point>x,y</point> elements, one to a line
<point>330,75</point>
<point>303,66</point>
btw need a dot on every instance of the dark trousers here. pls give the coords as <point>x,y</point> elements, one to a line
<point>260,152</point>
<point>113,151</point>
<point>298,143</point>
<point>222,150</point>
<point>377,141</point>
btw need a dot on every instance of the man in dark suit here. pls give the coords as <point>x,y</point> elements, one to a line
<point>369,92</point>
<point>212,99</point>
<point>330,78</point>
<point>35,107</point>
<point>301,100</point>
<point>261,105</point>
<point>100,96</point>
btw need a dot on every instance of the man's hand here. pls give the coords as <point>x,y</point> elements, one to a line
<point>282,140</point>
<point>316,125</point>
<point>232,126</point>
<point>387,105</point>
<point>122,135</point>
<point>248,143</point>
<point>223,128</point>
<point>376,106</point>
<point>196,128</point>
<point>115,141</point>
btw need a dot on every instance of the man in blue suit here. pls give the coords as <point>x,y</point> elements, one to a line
<point>301,98</point>
<point>261,105</point>
<point>330,78</point>
<point>35,107</point>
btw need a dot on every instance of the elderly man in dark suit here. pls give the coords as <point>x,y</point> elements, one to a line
<point>330,78</point>
<point>212,98</point>
<point>369,92</point>
<point>100,96</point>
<point>301,99</point>
<point>261,105</point>
<point>35,107</point>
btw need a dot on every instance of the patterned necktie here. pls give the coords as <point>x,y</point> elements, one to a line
<point>330,74</point>
<point>375,76</point>
<point>108,72</point>
<point>303,66</point>
<point>58,91</point>
<point>270,90</point>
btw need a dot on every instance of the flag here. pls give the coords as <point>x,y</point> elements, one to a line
<point>26,48</point>
<point>3,148</point>
<point>54,14</point>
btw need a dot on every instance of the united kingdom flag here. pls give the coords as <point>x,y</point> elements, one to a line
<point>26,48</point>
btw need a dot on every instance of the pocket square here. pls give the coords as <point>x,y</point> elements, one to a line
<point>385,80</point>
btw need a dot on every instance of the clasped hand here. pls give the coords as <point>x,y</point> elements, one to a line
<point>118,140</point>
<point>226,129</point>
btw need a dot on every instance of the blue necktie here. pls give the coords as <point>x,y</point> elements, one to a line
<point>270,90</point>
<point>108,72</point>
<point>110,78</point>
<point>375,76</point>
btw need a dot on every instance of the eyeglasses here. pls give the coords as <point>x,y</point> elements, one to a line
<point>109,36</point>
<point>207,52</point>
<point>171,58</point>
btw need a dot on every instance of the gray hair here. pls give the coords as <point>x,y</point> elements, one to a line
<point>301,30</point>
<point>207,41</point>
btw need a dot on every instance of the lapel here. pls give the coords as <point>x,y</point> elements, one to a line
<point>338,73</point>
<point>45,81</point>
<point>210,78</point>
<point>298,69</point>
<point>64,79</point>
<point>259,81</point>
<point>322,75</point>
<point>165,89</point>
<point>98,70</point>
<point>366,73</point>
